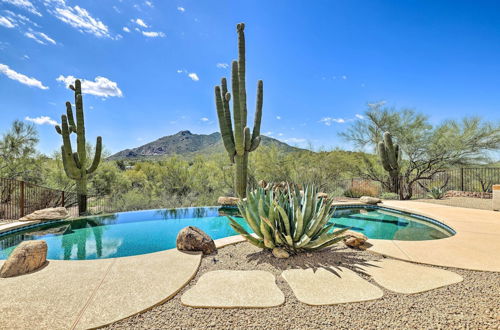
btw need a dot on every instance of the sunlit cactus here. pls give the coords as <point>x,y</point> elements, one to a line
<point>75,163</point>
<point>237,138</point>
<point>390,157</point>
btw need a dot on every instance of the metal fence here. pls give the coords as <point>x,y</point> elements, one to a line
<point>463,187</point>
<point>19,198</point>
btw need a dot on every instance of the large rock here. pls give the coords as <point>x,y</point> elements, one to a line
<point>53,213</point>
<point>194,239</point>
<point>27,257</point>
<point>370,200</point>
<point>228,201</point>
<point>354,239</point>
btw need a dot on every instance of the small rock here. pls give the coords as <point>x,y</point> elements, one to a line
<point>53,213</point>
<point>370,200</point>
<point>228,201</point>
<point>194,239</point>
<point>354,239</point>
<point>27,257</point>
<point>280,253</point>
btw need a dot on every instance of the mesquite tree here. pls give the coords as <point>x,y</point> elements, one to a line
<point>238,140</point>
<point>75,163</point>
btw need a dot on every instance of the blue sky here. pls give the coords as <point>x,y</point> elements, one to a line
<point>150,66</point>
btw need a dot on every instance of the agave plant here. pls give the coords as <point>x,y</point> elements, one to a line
<point>288,220</point>
<point>436,192</point>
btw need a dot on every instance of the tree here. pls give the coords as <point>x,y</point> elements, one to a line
<point>18,156</point>
<point>426,149</point>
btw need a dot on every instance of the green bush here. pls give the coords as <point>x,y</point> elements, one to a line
<point>389,195</point>
<point>436,193</point>
<point>288,220</point>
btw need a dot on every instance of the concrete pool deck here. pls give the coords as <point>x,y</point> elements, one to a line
<point>475,246</point>
<point>92,293</point>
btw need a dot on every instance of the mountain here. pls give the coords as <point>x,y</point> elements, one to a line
<point>187,143</point>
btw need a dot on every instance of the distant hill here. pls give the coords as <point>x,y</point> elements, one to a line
<point>187,143</point>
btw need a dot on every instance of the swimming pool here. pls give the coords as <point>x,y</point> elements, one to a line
<point>132,233</point>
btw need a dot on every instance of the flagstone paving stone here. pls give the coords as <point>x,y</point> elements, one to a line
<point>234,289</point>
<point>408,278</point>
<point>329,286</point>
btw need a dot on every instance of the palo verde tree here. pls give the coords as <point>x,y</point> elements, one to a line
<point>238,140</point>
<point>76,163</point>
<point>426,150</point>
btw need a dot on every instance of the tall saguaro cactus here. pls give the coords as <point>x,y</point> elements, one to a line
<point>238,140</point>
<point>390,157</point>
<point>75,163</point>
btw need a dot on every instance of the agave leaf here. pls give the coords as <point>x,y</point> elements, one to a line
<point>284,217</point>
<point>239,229</point>
<point>268,222</point>
<point>268,237</point>
<point>328,243</point>
<point>303,241</point>
<point>299,230</point>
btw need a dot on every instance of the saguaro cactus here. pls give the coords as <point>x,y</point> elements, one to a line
<point>238,140</point>
<point>75,163</point>
<point>390,157</point>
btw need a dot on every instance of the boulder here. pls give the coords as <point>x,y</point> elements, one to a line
<point>194,239</point>
<point>370,200</point>
<point>322,195</point>
<point>354,239</point>
<point>26,257</point>
<point>228,201</point>
<point>53,213</point>
<point>280,253</point>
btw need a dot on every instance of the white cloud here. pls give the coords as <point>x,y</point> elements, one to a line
<point>151,34</point>
<point>149,4</point>
<point>204,119</point>
<point>329,120</point>
<point>222,65</point>
<point>5,22</point>
<point>40,37</point>
<point>268,133</point>
<point>41,120</point>
<point>360,116</point>
<point>278,117</point>
<point>101,86</point>
<point>23,79</point>
<point>78,17</point>
<point>126,29</point>
<point>140,22</point>
<point>193,76</point>
<point>117,10</point>
<point>280,134</point>
<point>344,77</point>
<point>25,4</point>
<point>181,9</point>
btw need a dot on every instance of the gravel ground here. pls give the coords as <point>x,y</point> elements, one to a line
<point>471,304</point>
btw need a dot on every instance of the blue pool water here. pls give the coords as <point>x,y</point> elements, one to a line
<point>133,233</point>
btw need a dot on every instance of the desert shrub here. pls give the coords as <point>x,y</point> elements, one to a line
<point>389,195</point>
<point>362,188</point>
<point>436,192</point>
